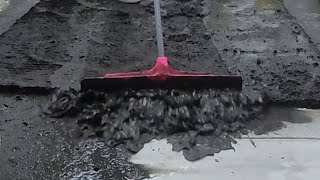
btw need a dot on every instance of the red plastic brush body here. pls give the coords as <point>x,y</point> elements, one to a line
<point>161,71</point>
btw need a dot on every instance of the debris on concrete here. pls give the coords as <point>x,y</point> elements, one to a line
<point>197,122</point>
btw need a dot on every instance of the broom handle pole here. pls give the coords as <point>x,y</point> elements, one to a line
<point>157,14</point>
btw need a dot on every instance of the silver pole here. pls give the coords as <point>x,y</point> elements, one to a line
<point>157,14</point>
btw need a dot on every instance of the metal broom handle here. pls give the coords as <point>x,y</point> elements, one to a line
<point>157,14</point>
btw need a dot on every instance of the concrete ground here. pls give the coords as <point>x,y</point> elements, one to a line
<point>34,148</point>
<point>286,154</point>
<point>11,10</point>
<point>308,15</point>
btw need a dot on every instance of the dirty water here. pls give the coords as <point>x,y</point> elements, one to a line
<point>197,122</point>
<point>33,148</point>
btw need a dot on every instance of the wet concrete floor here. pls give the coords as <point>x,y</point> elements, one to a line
<point>308,15</point>
<point>263,42</point>
<point>11,10</point>
<point>36,148</point>
<point>288,153</point>
<point>257,38</point>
